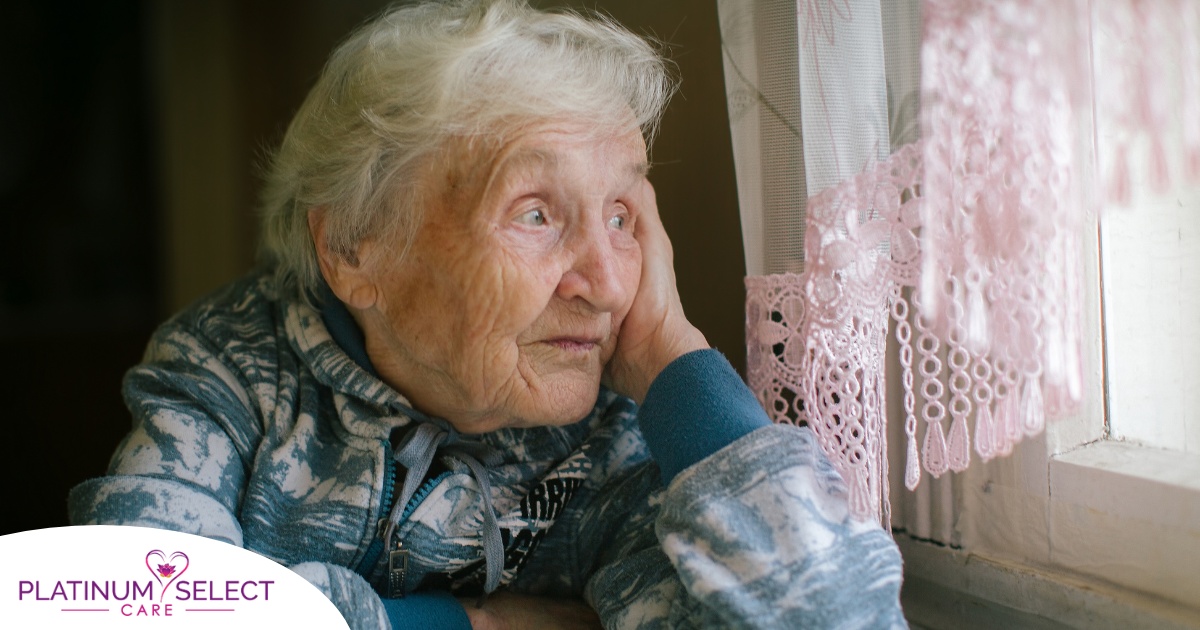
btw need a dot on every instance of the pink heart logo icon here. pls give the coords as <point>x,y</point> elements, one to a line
<point>166,568</point>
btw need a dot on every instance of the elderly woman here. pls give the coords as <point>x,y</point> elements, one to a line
<point>466,369</point>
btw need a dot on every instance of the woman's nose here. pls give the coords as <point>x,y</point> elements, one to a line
<point>596,271</point>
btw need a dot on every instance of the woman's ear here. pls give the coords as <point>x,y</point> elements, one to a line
<point>346,273</point>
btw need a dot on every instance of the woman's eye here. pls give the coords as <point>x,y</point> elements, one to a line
<point>617,222</point>
<point>535,217</point>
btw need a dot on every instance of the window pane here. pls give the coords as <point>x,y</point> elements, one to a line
<point>1151,287</point>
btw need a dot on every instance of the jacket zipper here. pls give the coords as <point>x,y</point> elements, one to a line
<point>421,494</point>
<point>397,571</point>
<point>385,507</point>
<point>398,557</point>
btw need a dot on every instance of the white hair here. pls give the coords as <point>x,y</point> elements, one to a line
<point>406,83</point>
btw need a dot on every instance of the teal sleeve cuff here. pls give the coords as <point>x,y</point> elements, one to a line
<point>696,406</point>
<point>434,610</point>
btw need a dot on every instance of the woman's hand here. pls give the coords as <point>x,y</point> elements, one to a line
<point>508,611</point>
<point>655,332</point>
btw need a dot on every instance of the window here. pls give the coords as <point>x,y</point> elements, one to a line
<point>1096,524</point>
<point>1090,523</point>
<point>1151,262</point>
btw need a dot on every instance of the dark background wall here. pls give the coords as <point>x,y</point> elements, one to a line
<point>130,138</point>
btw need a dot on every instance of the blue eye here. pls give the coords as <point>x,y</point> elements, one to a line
<point>617,222</point>
<point>536,217</point>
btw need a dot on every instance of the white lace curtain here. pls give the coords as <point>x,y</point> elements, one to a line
<point>923,169</point>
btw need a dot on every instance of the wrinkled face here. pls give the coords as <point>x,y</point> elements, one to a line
<point>507,306</point>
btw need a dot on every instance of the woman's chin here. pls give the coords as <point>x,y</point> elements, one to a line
<point>561,411</point>
<point>557,404</point>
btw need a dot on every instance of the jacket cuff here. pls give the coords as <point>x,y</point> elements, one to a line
<point>696,406</point>
<point>433,610</point>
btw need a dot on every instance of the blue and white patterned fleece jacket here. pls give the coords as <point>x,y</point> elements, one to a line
<point>252,425</point>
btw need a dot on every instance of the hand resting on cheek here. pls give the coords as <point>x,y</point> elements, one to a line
<point>655,331</point>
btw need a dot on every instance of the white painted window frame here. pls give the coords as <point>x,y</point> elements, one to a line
<point>1080,527</point>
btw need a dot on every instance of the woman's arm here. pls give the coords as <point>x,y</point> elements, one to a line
<point>754,535</point>
<point>753,529</point>
<point>185,464</point>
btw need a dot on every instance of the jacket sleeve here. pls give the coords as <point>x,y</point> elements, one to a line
<point>185,464</point>
<point>754,534</point>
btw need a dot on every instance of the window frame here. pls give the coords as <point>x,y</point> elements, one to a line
<point>1077,526</point>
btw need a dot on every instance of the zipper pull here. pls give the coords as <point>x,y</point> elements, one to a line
<point>397,570</point>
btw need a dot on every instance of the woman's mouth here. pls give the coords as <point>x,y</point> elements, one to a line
<point>574,344</point>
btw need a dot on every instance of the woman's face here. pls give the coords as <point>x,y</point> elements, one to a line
<point>507,306</point>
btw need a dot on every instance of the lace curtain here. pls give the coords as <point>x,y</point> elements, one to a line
<point>926,170</point>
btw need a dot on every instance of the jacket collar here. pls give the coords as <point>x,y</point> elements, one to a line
<point>330,343</point>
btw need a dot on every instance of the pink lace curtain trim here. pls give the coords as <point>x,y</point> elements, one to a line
<point>1147,89</point>
<point>968,241</point>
